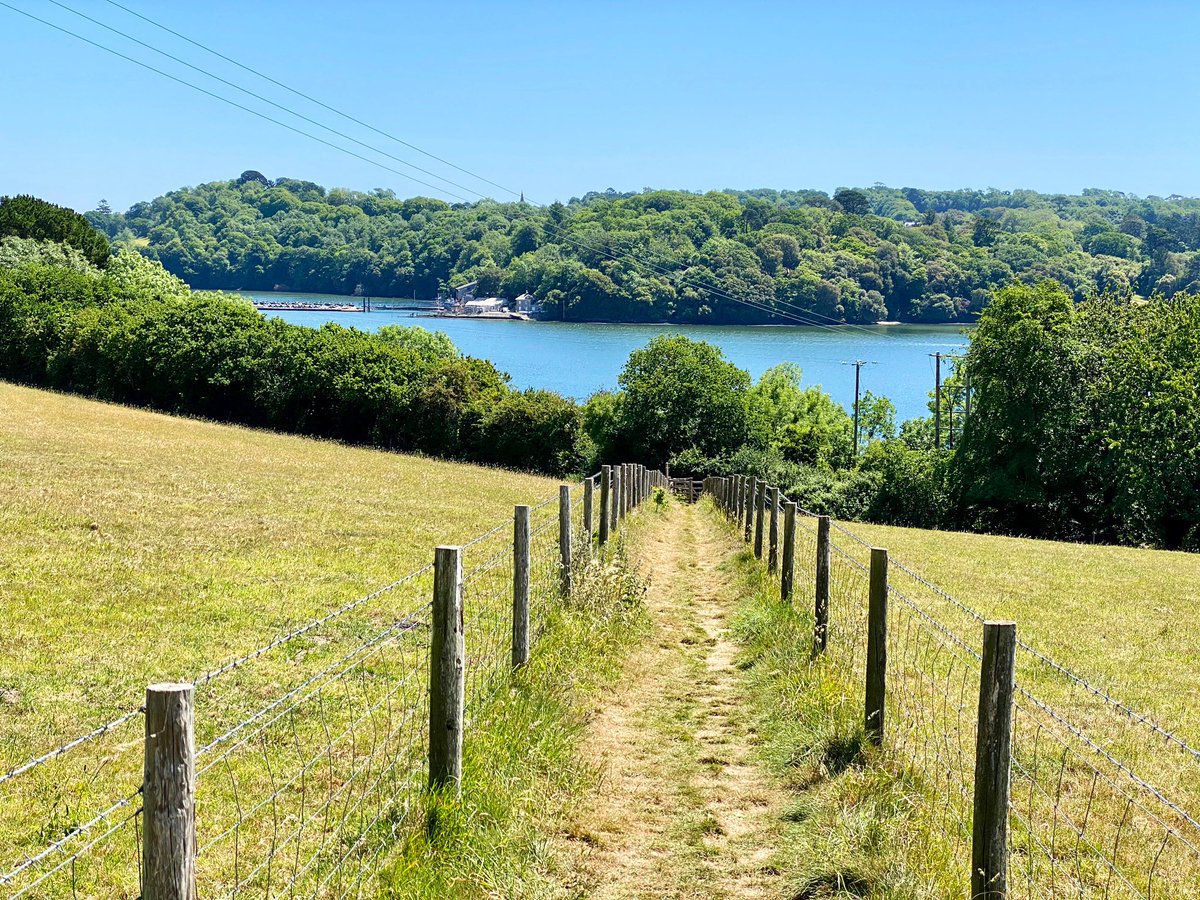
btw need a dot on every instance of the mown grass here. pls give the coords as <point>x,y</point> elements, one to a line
<point>1103,803</point>
<point>1124,617</point>
<point>523,774</point>
<point>1100,801</point>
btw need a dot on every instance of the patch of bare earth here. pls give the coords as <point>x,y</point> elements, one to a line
<point>683,810</point>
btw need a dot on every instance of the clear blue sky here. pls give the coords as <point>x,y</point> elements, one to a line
<point>559,98</point>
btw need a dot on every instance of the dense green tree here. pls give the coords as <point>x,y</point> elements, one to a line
<point>852,201</point>
<point>680,394</point>
<point>1017,462</point>
<point>28,217</point>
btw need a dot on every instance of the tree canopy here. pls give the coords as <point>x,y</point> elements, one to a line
<point>757,256</point>
<point>28,217</point>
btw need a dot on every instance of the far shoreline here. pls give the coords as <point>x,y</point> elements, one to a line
<point>349,304</point>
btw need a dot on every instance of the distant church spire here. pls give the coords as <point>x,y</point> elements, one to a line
<point>522,196</point>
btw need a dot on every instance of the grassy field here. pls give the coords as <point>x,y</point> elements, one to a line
<point>1105,790</point>
<point>1122,617</point>
<point>138,548</point>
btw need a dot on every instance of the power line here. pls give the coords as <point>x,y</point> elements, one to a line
<point>234,103</point>
<point>269,102</point>
<point>779,309</point>
<point>806,317</point>
<point>803,312</point>
<point>309,98</point>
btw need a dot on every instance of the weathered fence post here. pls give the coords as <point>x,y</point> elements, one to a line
<point>787,574</point>
<point>605,503</point>
<point>169,794</point>
<point>773,537</point>
<point>588,490</point>
<point>447,671</point>
<point>616,497</point>
<point>520,622</point>
<point>993,750</point>
<point>564,537</point>
<point>821,613</point>
<point>877,646</point>
<point>760,516</point>
<point>748,503</point>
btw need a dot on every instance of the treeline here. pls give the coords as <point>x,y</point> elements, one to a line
<point>1084,425</point>
<point>859,256</point>
<point>132,333</point>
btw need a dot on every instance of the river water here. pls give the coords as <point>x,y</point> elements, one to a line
<point>578,359</point>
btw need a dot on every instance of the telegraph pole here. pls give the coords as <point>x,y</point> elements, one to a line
<point>937,403</point>
<point>950,422</point>
<point>858,364</point>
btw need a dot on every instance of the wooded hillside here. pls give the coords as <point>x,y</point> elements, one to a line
<point>758,256</point>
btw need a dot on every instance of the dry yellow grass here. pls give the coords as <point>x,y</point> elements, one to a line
<point>137,547</point>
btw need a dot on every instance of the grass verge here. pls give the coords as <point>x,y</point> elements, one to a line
<point>522,773</point>
<point>856,824</point>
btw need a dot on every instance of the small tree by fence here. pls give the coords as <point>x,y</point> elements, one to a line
<point>1033,798</point>
<point>246,788</point>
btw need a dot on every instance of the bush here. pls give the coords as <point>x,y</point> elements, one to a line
<point>137,335</point>
<point>29,217</point>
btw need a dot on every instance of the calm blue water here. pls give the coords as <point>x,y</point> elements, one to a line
<point>577,359</point>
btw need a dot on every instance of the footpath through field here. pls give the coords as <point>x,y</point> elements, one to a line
<point>683,810</point>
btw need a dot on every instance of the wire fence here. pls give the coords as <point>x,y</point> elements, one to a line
<point>1103,799</point>
<point>310,757</point>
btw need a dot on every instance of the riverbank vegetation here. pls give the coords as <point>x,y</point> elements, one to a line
<point>761,256</point>
<point>1083,424</point>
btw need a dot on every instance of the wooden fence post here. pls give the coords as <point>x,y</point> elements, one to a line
<point>993,758</point>
<point>751,503</point>
<point>616,497</point>
<point>760,515</point>
<point>169,794</point>
<point>447,671</point>
<point>605,503</point>
<point>520,622</point>
<point>564,537</point>
<point>824,561</point>
<point>787,574</point>
<point>773,536</point>
<point>748,503</point>
<point>877,646</point>
<point>588,490</point>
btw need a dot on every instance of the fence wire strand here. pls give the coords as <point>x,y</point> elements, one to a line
<point>1101,795</point>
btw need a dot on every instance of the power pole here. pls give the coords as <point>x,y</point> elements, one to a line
<point>858,364</point>
<point>967,411</point>
<point>950,421</point>
<point>937,403</point>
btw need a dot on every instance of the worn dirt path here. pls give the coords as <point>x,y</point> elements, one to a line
<point>683,810</point>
